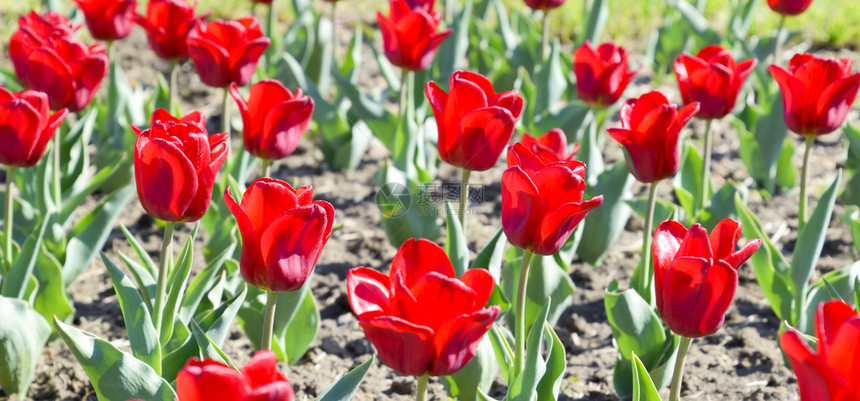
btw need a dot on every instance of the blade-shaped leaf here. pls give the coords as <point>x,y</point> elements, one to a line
<point>643,387</point>
<point>345,387</point>
<point>455,241</point>
<point>23,333</point>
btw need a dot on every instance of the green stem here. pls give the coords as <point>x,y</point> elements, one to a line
<point>269,319</point>
<point>112,88</point>
<point>55,178</point>
<point>675,392</point>
<point>225,111</point>
<point>520,337</point>
<point>421,392</point>
<point>270,33</point>
<point>804,182</point>
<point>404,90</point>
<point>706,170</point>
<point>161,282</point>
<point>647,237</point>
<point>777,49</point>
<point>464,196</point>
<point>10,213</point>
<point>265,165</point>
<point>334,40</point>
<point>544,48</point>
<point>171,88</point>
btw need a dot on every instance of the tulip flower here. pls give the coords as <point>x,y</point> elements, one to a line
<point>817,94</point>
<point>422,319</point>
<point>426,5</point>
<point>601,74</point>
<point>542,203</point>
<point>410,35</point>
<point>789,7</point>
<point>830,373</point>
<point>551,147</point>
<point>544,5</point>
<point>283,234</point>
<point>26,127</point>
<point>696,278</point>
<point>713,79</point>
<point>33,30</point>
<point>274,119</point>
<point>212,380</point>
<point>167,24</point>
<point>108,20</point>
<point>175,163</point>
<point>226,52</point>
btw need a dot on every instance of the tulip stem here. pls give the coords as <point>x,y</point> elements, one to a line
<point>675,392</point>
<point>464,196</point>
<point>265,164</point>
<point>777,49</point>
<point>57,171</point>
<point>706,170</point>
<point>334,32</point>
<point>520,339</point>
<point>225,111</point>
<point>171,86</point>
<point>7,224</point>
<point>269,319</point>
<point>647,237</point>
<point>163,271</point>
<point>544,48</point>
<point>421,391</point>
<point>804,182</point>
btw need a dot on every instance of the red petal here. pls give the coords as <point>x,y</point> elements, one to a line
<point>835,103</point>
<point>368,294</point>
<point>696,243</point>
<point>291,246</point>
<point>696,296</point>
<point>457,340</point>
<point>20,131</point>
<point>283,126</point>
<point>166,180</point>
<point>417,257</point>
<point>405,347</point>
<point>243,61</point>
<point>815,379</point>
<point>829,318</point>
<point>667,242</point>
<point>844,353</point>
<point>210,59</point>
<point>265,200</point>
<point>262,369</point>
<point>558,224</point>
<point>480,281</point>
<point>251,263</point>
<point>209,380</point>
<point>483,135</point>
<point>522,209</point>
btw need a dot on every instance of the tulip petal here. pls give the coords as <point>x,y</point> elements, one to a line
<point>368,294</point>
<point>251,262</point>
<point>291,246</point>
<point>523,211</point>
<point>47,72</point>
<point>438,99</point>
<point>277,391</point>
<point>258,201</point>
<point>417,257</point>
<point>283,127</point>
<point>793,95</point>
<point>559,223</point>
<point>520,155</point>
<point>480,281</point>
<point>835,103</point>
<point>166,180</point>
<point>457,340</point>
<point>262,369</point>
<point>696,296</point>
<point>483,135</point>
<point>844,351</point>
<point>211,61</point>
<point>405,347</point>
<point>20,130</point>
<point>724,237</point>
<point>558,185</point>
<point>209,380</point>
<point>667,242</point>
<point>243,63</point>
<point>464,97</point>
<point>696,244</point>
<point>830,317</point>
<point>815,379</point>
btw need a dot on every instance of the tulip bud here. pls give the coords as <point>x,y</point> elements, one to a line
<point>274,119</point>
<point>712,79</point>
<point>789,7</point>
<point>409,35</point>
<point>650,133</point>
<point>167,24</point>
<point>33,30</point>
<point>26,126</point>
<point>175,164</point>
<point>283,233</point>
<point>108,20</point>
<point>226,52</point>
<point>421,318</point>
<point>475,123</point>
<point>601,74</point>
<point>544,5</point>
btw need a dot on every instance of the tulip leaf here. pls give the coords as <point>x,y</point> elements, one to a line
<point>344,388</point>
<point>525,385</point>
<point>550,79</point>
<point>643,386</point>
<point>300,331</point>
<point>455,241</point>
<point>696,20</point>
<point>484,397</point>
<point>550,384</point>
<point>502,349</point>
<point>452,52</point>
<point>810,241</point>
<point>90,233</point>
<point>722,205</point>
<point>51,297</point>
<point>605,223</point>
<point>407,209</point>
<point>770,267</point>
<point>688,182</point>
<point>23,333</point>
<point>145,260</point>
<point>598,16</point>
<point>145,282</point>
<point>15,281</point>
<point>477,374</point>
<point>838,284</point>
<point>351,66</point>
<point>138,322</point>
<point>296,321</point>
<point>202,283</point>
<point>74,201</point>
<point>115,375</point>
<point>210,350</point>
<point>857,293</point>
<point>176,284</point>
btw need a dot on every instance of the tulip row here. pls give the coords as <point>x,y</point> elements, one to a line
<point>283,230</point>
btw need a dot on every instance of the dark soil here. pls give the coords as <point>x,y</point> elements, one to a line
<point>740,361</point>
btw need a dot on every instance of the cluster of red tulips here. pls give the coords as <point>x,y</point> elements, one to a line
<point>429,315</point>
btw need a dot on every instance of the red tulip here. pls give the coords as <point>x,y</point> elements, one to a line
<point>475,124</point>
<point>542,202</point>
<point>817,93</point>
<point>167,24</point>
<point>601,74</point>
<point>651,129</point>
<point>410,36</point>
<point>274,119</point>
<point>33,30</point>
<point>262,1</point>
<point>283,233</point>
<point>789,7</point>
<point>108,19</point>
<point>695,274</point>
<point>544,4</point>
<point>426,5</point>
<point>712,79</point>
<point>831,373</point>
<point>226,52</point>
<point>420,317</point>
<point>175,163</point>
<point>551,147</point>
<point>26,126</point>
<point>209,380</point>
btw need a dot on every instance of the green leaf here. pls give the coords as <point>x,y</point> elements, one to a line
<point>201,284</point>
<point>452,53</point>
<point>605,223</point>
<point>15,282</point>
<point>145,282</point>
<point>838,284</point>
<point>91,232</point>
<point>477,374</point>
<point>176,287</point>
<point>407,210</point>
<point>138,322</point>
<point>689,179</point>
<point>643,387</point>
<point>502,349</point>
<point>51,297</point>
<point>301,330</point>
<point>115,375</point>
<point>525,385</point>
<point>598,15</point>
<point>345,387</point>
<point>551,80</point>
<point>210,350</point>
<point>455,241</point>
<point>492,256</point>
<point>23,333</point>
<point>145,260</point>
<point>550,384</point>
